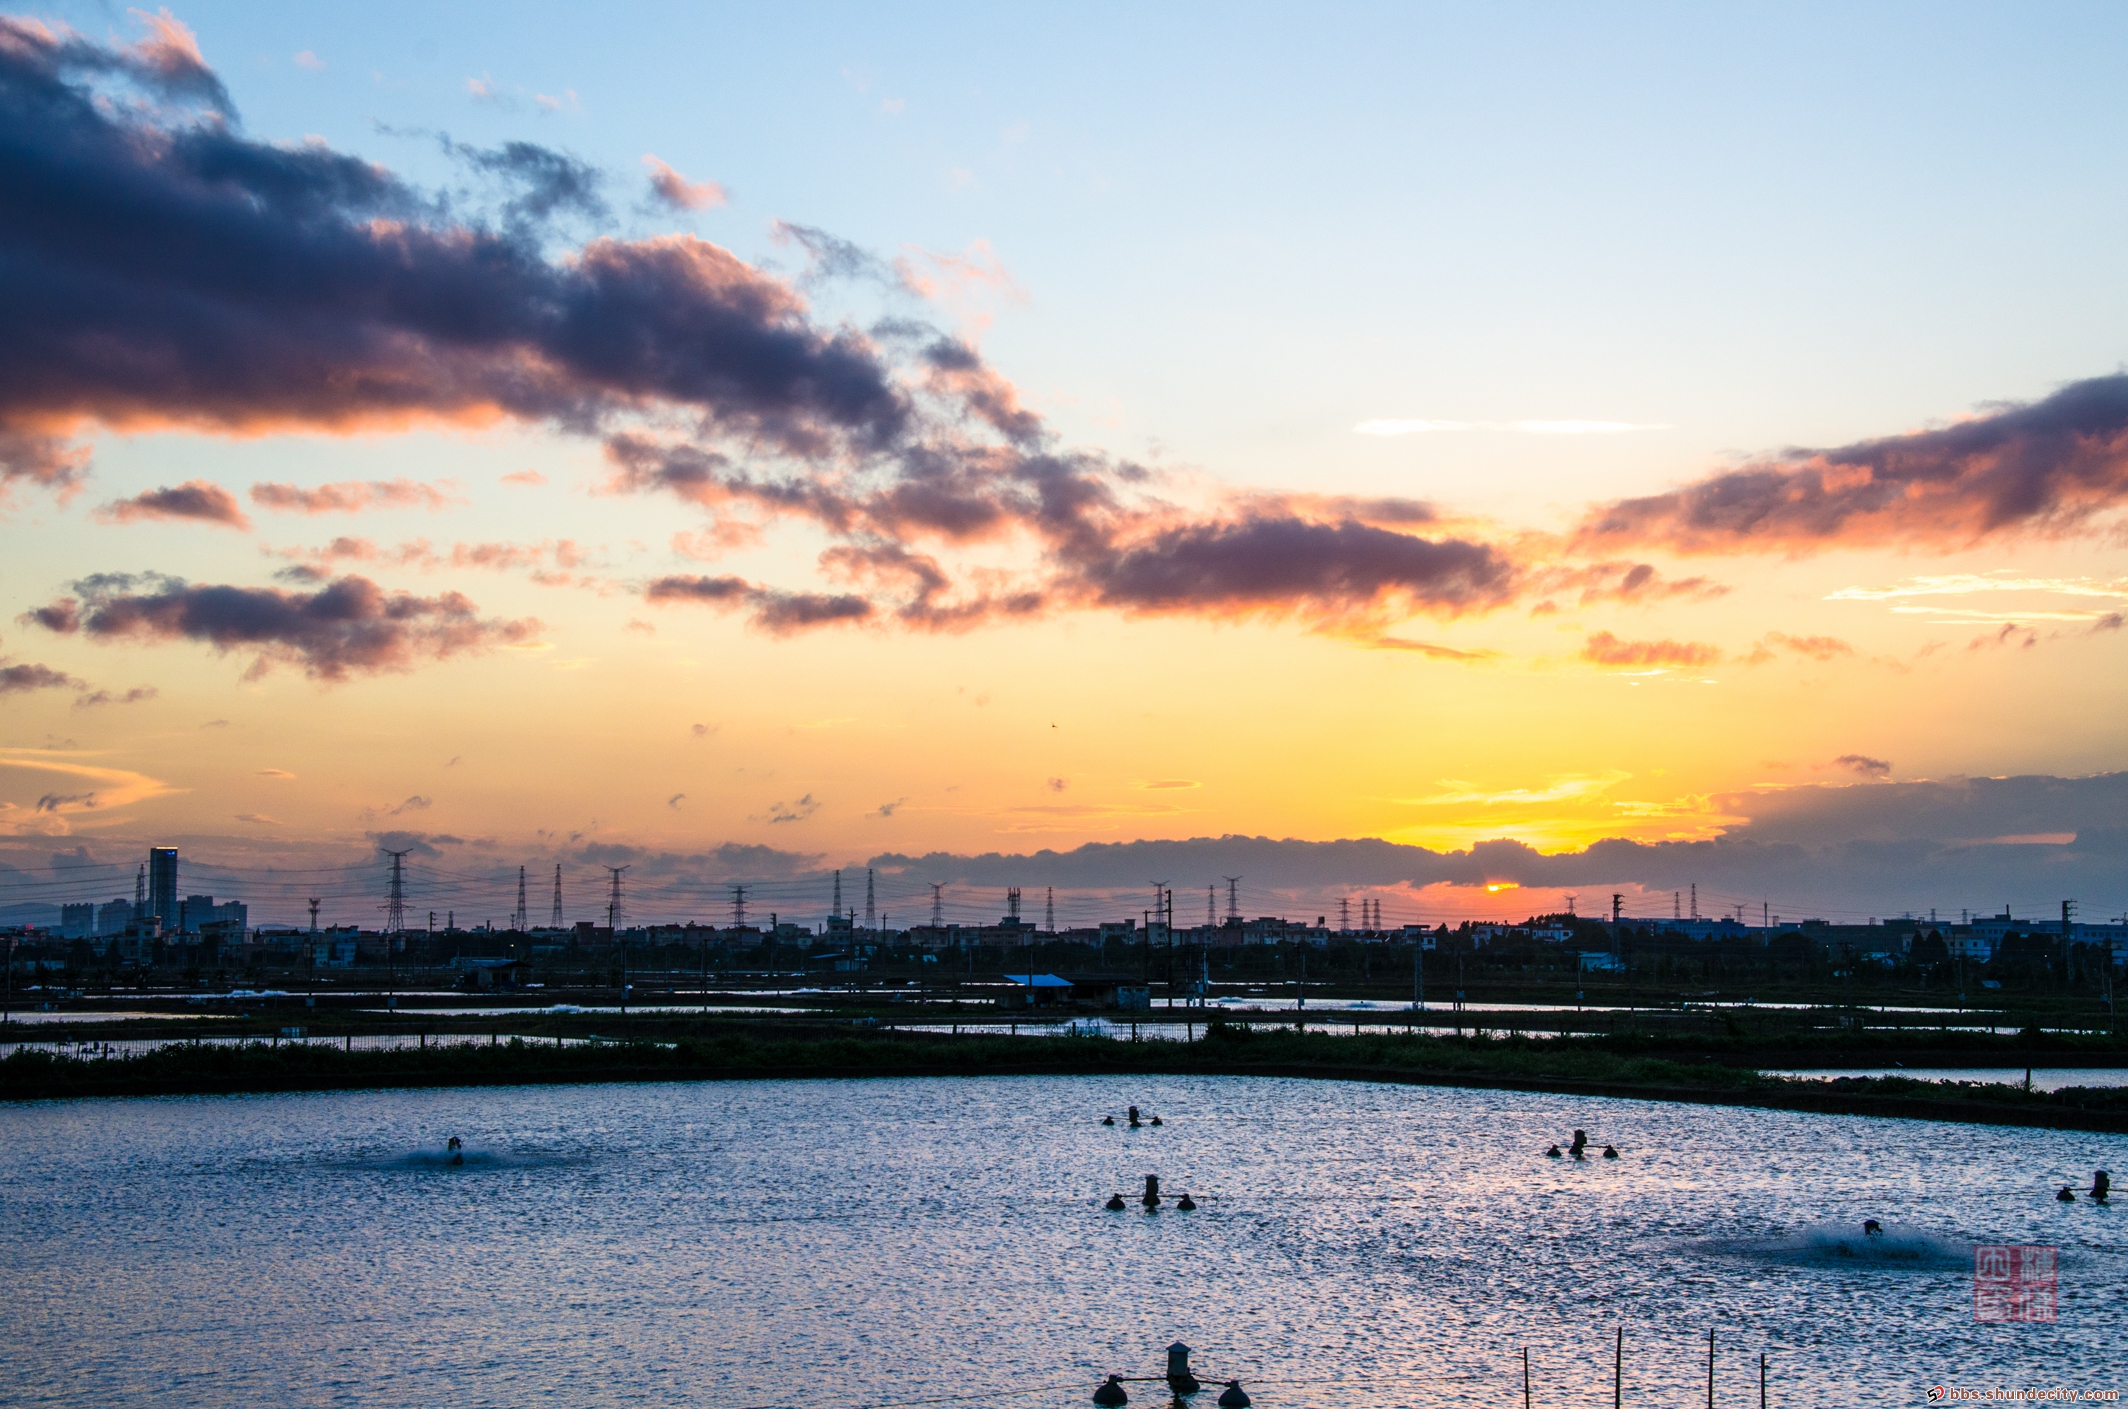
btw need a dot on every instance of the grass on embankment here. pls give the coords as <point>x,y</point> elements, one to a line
<point>1572,1066</point>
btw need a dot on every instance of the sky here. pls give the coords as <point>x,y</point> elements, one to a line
<point>1462,457</point>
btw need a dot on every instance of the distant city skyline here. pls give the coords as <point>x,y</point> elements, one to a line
<point>1465,457</point>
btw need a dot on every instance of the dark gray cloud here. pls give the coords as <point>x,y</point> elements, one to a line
<point>2049,466</point>
<point>164,271</point>
<point>350,626</point>
<point>1288,564</point>
<point>1875,849</point>
<point>96,698</point>
<point>774,611</point>
<point>15,679</point>
<point>418,843</point>
<point>195,499</point>
<point>829,256</point>
<point>1836,850</point>
<point>542,183</point>
<point>738,862</point>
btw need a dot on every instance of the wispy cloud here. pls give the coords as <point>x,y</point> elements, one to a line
<point>97,698</point>
<point>1571,787</point>
<point>799,811</point>
<point>1819,648</point>
<point>1603,648</point>
<point>1965,584</point>
<point>354,496</point>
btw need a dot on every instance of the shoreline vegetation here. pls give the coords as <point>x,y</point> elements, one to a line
<point>1705,1069</point>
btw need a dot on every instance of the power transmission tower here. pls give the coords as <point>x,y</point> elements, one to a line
<point>1211,906</point>
<point>738,906</point>
<point>938,905</point>
<point>556,921</point>
<point>140,889</point>
<point>1160,901</point>
<point>522,920</point>
<point>1344,915</point>
<point>395,903</point>
<point>1233,897</point>
<point>868,910</point>
<point>1049,912</point>
<point>1012,903</point>
<point>613,906</point>
<point>1570,899</point>
<point>1695,900</point>
<point>836,908</point>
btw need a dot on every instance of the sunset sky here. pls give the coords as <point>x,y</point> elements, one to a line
<point>1546,450</point>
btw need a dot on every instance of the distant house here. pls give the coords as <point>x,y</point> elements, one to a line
<point>1037,990</point>
<point>1111,990</point>
<point>485,974</point>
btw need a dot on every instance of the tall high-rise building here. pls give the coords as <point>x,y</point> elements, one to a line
<point>162,884</point>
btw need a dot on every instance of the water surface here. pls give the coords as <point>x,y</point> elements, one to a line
<point>841,1243</point>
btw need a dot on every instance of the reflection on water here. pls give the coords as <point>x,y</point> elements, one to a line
<point>841,1243</point>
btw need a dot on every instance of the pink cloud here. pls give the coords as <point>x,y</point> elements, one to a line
<point>353,496</point>
<point>678,192</point>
